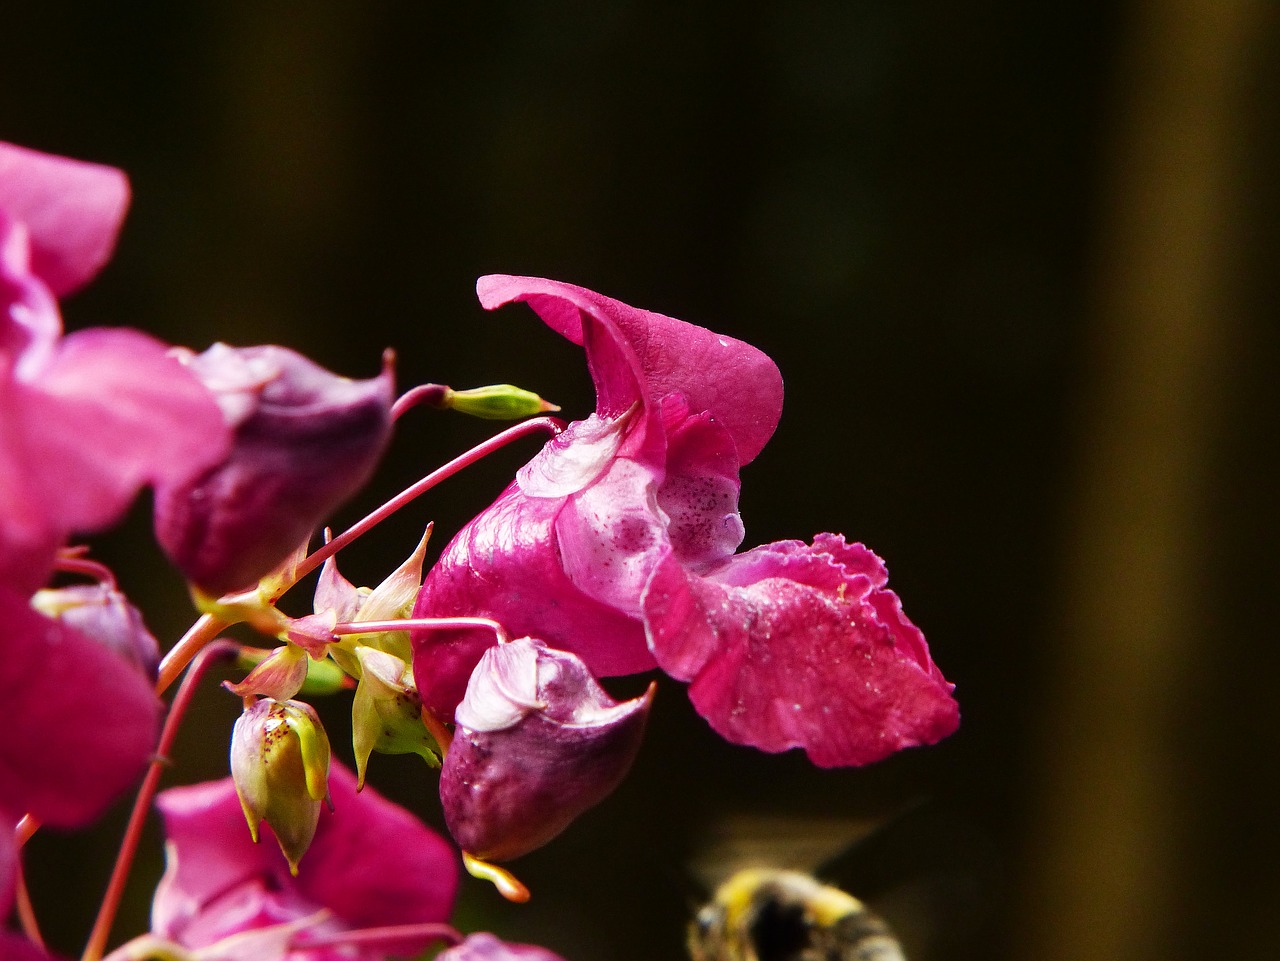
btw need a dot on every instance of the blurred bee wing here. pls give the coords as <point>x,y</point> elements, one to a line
<point>761,840</point>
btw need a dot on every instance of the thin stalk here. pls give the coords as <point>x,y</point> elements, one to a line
<point>26,911</point>
<point>551,425</point>
<point>423,624</point>
<point>142,803</point>
<point>179,656</point>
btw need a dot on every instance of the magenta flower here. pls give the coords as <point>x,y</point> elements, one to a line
<point>305,440</point>
<point>372,864</point>
<point>90,418</point>
<point>616,542</point>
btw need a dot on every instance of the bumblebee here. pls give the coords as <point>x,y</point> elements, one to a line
<point>767,914</point>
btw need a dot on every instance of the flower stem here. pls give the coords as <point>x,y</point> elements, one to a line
<point>142,803</point>
<point>179,656</point>
<point>550,425</point>
<point>423,624</point>
<point>433,395</point>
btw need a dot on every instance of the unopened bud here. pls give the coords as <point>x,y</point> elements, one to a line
<point>280,766</point>
<point>498,402</point>
<point>538,742</point>
<point>386,713</point>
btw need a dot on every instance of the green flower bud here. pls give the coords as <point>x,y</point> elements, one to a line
<point>386,713</point>
<point>497,402</point>
<point>280,766</point>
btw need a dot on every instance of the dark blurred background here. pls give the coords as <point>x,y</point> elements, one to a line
<point>1017,263</point>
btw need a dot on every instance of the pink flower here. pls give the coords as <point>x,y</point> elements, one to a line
<point>617,543</point>
<point>372,864</point>
<point>90,418</point>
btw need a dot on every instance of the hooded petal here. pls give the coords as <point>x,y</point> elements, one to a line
<point>796,646</point>
<point>305,440</point>
<point>650,355</point>
<point>89,719</point>
<point>372,863</point>
<point>538,743</point>
<point>72,209</point>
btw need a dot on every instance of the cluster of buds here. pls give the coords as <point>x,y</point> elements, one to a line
<point>614,551</point>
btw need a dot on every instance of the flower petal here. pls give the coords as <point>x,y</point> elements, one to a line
<point>113,412</point>
<point>486,947</point>
<point>505,564</point>
<point>795,646</point>
<point>650,355</point>
<point>89,719</point>
<point>372,862</point>
<point>72,209</point>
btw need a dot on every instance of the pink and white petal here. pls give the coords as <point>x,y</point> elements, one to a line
<point>505,564</point>
<point>699,494</point>
<point>486,947</point>
<point>72,208</point>
<point>89,719</point>
<point>779,663</point>
<point>114,411</point>
<point>611,535</point>
<point>735,381</point>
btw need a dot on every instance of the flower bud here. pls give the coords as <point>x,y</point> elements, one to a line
<point>104,614</point>
<point>538,742</point>
<point>304,441</point>
<point>386,713</point>
<point>280,766</point>
<point>497,402</point>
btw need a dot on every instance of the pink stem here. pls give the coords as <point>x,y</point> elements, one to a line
<point>423,624</point>
<point>179,656</point>
<point>433,395</point>
<point>551,425</point>
<point>142,803</point>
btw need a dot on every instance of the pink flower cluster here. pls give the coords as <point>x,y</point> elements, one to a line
<point>614,551</point>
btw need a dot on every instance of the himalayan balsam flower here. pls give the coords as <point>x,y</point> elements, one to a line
<point>538,742</point>
<point>305,440</point>
<point>372,864</point>
<point>88,420</point>
<point>617,541</point>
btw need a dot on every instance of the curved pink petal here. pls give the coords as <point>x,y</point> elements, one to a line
<point>739,384</point>
<point>795,646</point>
<point>505,564</point>
<point>72,209</point>
<point>487,947</point>
<point>110,413</point>
<point>89,719</point>
<point>372,863</point>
